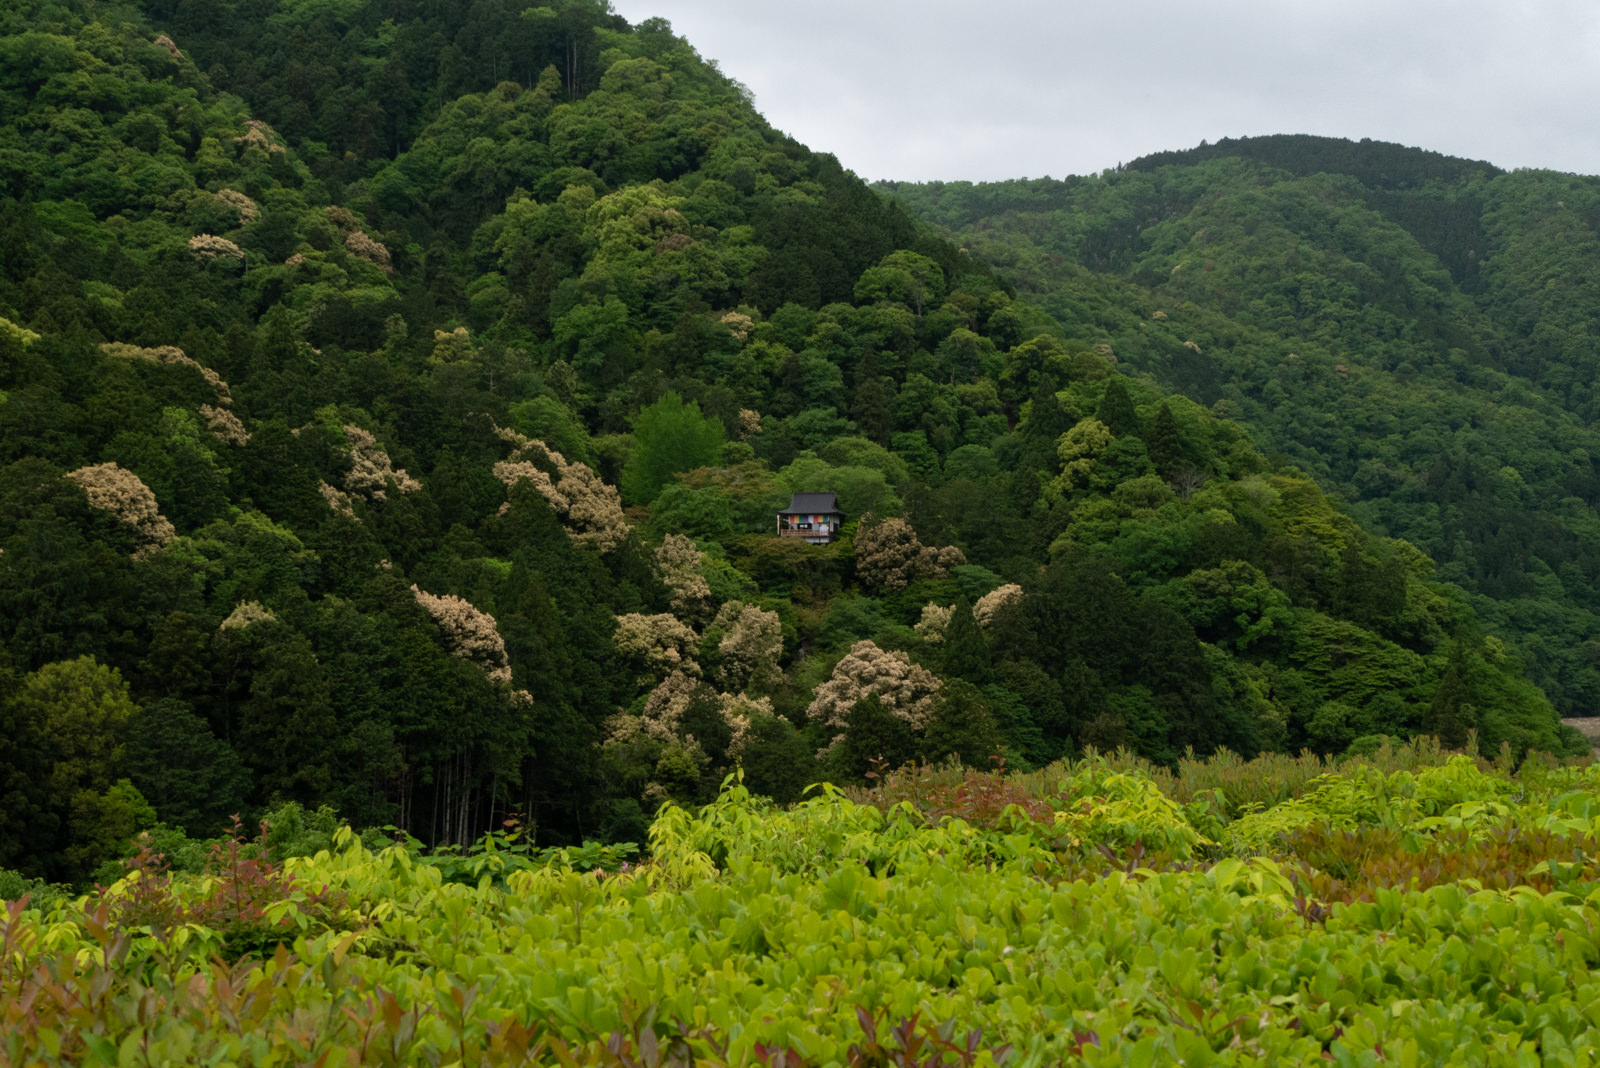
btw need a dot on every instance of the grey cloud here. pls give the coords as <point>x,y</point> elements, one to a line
<point>940,90</point>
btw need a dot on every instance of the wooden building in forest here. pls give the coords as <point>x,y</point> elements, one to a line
<point>812,517</point>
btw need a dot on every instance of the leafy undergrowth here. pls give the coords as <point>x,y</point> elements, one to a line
<point>1339,865</point>
<point>1404,910</point>
<point>244,904</point>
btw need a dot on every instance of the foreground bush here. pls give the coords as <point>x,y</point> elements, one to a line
<point>846,932</point>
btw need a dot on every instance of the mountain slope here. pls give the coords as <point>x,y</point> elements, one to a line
<point>309,466</point>
<point>1414,331</point>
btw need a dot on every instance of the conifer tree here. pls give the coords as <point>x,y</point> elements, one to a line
<point>1047,421</point>
<point>966,651</point>
<point>1163,443</point>
<point>1116,409</point>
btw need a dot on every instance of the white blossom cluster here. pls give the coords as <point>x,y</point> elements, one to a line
<point>249,211</point>
<point>934,622</point>
<point>904,689</point>
<point>338,500</point>
<point>171,355</point>
<point>752,642</point>
<point>122,493</point>
<point>655,646</point>
<point>224,425</point>
<point>258,134</point>
<point>369,248</point>
<point>371,472</point>
<point>990,604</point>
<point>936,618</point>
<point>590,509</point>
<point>738,324</point>
<point>469,633</point>
<point>208,247</point>
<point>889,556</point>
<point>664,647</point>
<point>680,560</point>
<point>357,241</point>
<point>247,614</point>
<point>662,718</point>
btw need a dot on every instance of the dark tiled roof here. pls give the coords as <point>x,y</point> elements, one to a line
<point>812,504</point>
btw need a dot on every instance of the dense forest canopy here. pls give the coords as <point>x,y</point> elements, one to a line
<point>1418,333</point>
<point>395,400</point>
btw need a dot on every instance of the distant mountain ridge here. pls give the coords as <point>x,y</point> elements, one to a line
<point>1393,175</point>
<point>1376,164</point>
<point>1415,329</point>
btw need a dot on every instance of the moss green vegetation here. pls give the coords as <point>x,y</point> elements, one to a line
<point>331,332</point>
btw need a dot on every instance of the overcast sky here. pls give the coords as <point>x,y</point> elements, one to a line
<point>993,89</point>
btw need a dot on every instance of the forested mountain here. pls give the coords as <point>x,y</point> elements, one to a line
<point>395,400</point>
<point>1420,334</point>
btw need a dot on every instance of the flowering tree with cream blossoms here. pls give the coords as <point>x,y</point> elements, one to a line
<point>371,472</point>
<point>934,622</point>
<point>208,247</point>
<point>124,495</point>
<point>224,425</point>
<point>890,557</point>
<point>679,560</point>
<point>751,642</point>
<point>993,603</point>
<point>655,646</point>
<point>173,356</point>
<point>905,690</point>
<point>246,614</point>
<point>693,721</point>
<point>662,717</point>
<point>249,211</point>
<point>469,633</point>
<point>590,509</point>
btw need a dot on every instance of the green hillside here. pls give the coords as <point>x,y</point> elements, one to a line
<point>388,428</point>
<point>1416,332</point>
